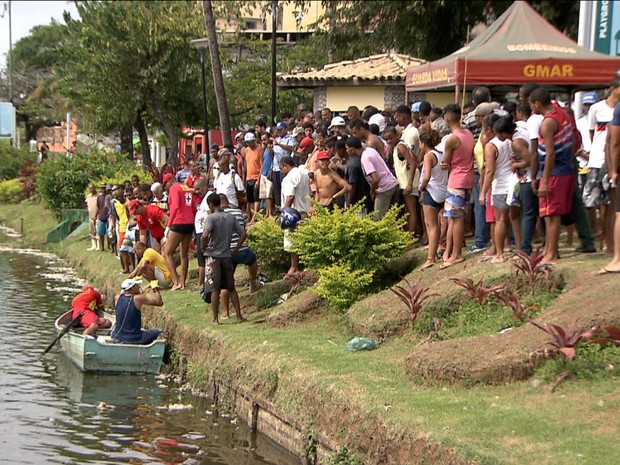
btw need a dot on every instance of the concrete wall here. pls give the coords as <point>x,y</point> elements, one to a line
<point>340,98</point>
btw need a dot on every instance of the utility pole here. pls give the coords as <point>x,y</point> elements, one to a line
<point>206,148</point>
<point>274,28</point>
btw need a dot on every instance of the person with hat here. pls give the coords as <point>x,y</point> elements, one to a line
<point>128,311</point>
<point>253,156</point>
<point>180,227</point>
<point>87,303</point>
<point>152,266</point>
<point>583,126</point>
<point>338,127</point>
<point>229,182</point>
<point>329,185</point>
<point>283,145</point>
<point>152,220</point>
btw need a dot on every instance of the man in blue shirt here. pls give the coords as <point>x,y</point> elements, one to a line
<point>128,326</point>
<point>282,146</point>
<point>265,190</point>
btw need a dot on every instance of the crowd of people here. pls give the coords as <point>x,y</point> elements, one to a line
<point>503,173</point>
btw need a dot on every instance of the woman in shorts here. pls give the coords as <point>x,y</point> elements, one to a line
<point>433,189</point>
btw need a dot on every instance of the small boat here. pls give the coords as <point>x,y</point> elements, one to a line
<point>103,354</point>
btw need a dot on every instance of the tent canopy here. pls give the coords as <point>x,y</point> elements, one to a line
<point>520,46</point>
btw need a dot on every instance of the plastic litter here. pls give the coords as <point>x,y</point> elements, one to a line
<point>361,343</point>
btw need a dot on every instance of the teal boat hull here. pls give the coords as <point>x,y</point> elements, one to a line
<point>101,354</point>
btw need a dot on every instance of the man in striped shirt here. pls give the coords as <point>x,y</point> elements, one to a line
<point>245,255</point>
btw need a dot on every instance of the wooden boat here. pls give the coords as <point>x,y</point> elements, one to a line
<point>103,354</point>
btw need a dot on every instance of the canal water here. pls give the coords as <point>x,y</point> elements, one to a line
<point>52,413</point>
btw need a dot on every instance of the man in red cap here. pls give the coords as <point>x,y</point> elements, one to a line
<point>180,227</point>
<point>329,185</point>
<point>151,220</point>
<point>306,146</point>
<point>87,302</point>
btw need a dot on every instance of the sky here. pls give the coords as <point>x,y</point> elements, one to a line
<point>24,16</point>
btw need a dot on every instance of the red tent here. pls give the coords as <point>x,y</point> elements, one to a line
<point>520,46</point>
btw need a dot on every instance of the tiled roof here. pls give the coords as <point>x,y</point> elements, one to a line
<point>384,67</point>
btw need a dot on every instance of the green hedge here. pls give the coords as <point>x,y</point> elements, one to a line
<point>11,191</point>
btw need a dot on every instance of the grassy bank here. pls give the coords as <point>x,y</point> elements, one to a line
<point>369,401</point>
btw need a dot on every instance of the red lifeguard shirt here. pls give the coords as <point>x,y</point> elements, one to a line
<point>181,205</point>
<point>153,220</point>
<point>86,301</point>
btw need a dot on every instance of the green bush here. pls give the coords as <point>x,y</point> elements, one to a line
<point>61,182</point>
<point>11,191</point>
<point>266,238</point>
<point>349,250</point>
<point>125,173</point>
<point>11,160</point>
<point>342,286</point>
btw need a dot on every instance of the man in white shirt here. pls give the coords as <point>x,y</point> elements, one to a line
<point>296,194</point>
<point>594,193</point>
<point>201,189</point>
<point>228,182</point>
<point>583,126</point>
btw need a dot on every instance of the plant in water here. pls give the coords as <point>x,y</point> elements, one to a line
<point>413,296</point>
<point>513,302</point>
<point>477,290</point>
<point>564,340</point>
<point>532,267</point>
<point>613,336</point>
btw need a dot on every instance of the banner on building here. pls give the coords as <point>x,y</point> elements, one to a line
<point>7,120</point>
<point>607,28</point>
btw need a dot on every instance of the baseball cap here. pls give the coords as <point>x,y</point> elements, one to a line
<point>379,120</point>
<point>305,143</point>
<point>239,136</point>
<point>416,107</point>
<point>223,151</point>
<point>486,108</point>
<point>322,155</point>
<point>167,177</point>
<point>215,147</point>
<point>249,137</point>
<point>133,206</point>
<point>281,125</point>
<point>129,283</point>
<point>337,121</point>
<point>297,131</point>
<point>590,98</point>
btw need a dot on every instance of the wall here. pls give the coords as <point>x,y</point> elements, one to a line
<point>340,98</point>
<point>56,136</point>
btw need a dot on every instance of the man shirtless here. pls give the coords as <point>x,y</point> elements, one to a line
<point>359,128</point>
<point>329,185</point>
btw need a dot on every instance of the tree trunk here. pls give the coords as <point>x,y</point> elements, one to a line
<point>218,79</point>
<point>170,130</point>
<point>127,141</point>
<point>144,140</point>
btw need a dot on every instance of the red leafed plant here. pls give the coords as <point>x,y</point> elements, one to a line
<point>612,338</point>
<point>564,340</point>
<point>27,173</point>
<point>477,290</point>
<point>532,267</point>
<point>413,296</point>
<point>513,302</point>
<point>297,280</point>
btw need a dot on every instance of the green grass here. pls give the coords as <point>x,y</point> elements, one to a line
<point>37,221</point>
<point>305,365</point>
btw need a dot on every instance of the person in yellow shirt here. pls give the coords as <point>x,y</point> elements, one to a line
<point>152,266</point>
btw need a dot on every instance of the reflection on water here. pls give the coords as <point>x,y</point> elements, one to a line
<point>51,412</point>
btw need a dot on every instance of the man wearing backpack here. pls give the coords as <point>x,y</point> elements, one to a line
<point>228,182</point>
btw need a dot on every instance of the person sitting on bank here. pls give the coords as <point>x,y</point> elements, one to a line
<point>128,306</point>
<point>152,266</point>
<point>88,302</point>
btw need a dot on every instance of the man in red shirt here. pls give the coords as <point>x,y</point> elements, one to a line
<point>88,301</point>
<point>180,227</point>
<point>151,220</point>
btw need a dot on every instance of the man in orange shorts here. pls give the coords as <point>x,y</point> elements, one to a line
<point>87,302</point>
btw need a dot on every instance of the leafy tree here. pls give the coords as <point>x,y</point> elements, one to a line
<point>35,82</point>
<point>133,65</point>
<point>426,29</point>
